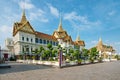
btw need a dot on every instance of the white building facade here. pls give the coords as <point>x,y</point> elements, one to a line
<point>26,39</point>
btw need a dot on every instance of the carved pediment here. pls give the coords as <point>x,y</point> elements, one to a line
<point>27,28</point>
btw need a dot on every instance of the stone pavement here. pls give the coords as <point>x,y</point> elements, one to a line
<point>99,71</point>
<point>4,65</point>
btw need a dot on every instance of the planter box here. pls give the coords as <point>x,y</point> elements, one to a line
<point>73,63</point>
<point>21,61</point>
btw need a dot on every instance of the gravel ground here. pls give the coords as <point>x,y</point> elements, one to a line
<point>99,71</point>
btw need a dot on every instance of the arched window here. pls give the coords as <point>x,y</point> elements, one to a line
<point>31,40</point>
<point>44,41</point>
<point>50,42</point>
<point>22,38</point>
<point>41,41</point>
<point>47,41</point>
<point>36,40</point>
<point>27,39</point>
<point>56,43</point>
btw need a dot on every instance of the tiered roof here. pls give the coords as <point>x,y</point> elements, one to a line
<point>79,42</point>
<point>101,47</point>
<point>23,25</point>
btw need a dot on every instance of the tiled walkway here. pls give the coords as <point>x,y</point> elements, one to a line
<point>100,71</point>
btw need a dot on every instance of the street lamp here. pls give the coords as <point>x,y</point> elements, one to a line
<point>109,56</point>
<point>60,57</point>
<point>0,53</point>
<point>26,46</point>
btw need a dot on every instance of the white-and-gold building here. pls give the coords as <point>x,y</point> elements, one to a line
<point>26,39</point>
<point>107,52</point>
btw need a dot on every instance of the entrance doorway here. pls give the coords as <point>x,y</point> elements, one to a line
<point>6,57</point>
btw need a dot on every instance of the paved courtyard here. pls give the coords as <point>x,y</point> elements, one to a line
<point>99,71</point>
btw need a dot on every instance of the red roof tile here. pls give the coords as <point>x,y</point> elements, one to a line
<point>45,36</point>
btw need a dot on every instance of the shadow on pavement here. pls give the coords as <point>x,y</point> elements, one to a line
<point>20,67</point>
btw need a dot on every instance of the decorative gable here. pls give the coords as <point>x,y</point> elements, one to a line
<point>27,28</point>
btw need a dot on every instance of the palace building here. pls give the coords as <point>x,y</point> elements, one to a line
<point>105,51</point>
<point>26,39</point>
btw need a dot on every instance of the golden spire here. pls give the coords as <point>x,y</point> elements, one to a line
<point>100,41</point>
<point>23,19</point>
<point>78,38</point>
<point>60,25</point>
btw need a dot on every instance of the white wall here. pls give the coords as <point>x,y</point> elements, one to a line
<point>19,43</point>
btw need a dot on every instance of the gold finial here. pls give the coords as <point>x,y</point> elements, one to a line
<point>60,25</point>
<point>78,38</point>
<point>100,39</point>
<point>23,19</point>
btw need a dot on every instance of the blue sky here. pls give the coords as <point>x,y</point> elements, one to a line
<point>90,19</point>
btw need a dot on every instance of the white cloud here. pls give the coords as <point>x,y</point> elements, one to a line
<point>34,13</point>
<point>38,14</point>
<point>75,17</point>
<point>111,13</point>
<point>5,29</point>
<point>91,44</point>
<point>26,4</point>
<point>94,42</point>
<point>53,10</point>
<point>80,22</point>
<point>116,46</point>
<point>5,32</point>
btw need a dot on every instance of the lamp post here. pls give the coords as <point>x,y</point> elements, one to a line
<point>0,52</point>
<point>60,57</point>
<point>109,56</point>
<point>26,46</point>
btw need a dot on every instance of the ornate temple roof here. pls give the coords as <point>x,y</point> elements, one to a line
<point>23,25</point>
<point>79,42</point>
<point>101,47</point>
<point>60,33</point>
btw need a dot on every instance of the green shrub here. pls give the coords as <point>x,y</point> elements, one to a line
<point>12,59</point>
<point>33,57</point>
<point>79,61</point>
<point>20,57</point>
<point>51,59</point>
<point>100,59</point>
<point>91,60</point>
